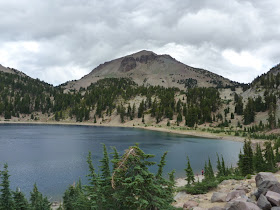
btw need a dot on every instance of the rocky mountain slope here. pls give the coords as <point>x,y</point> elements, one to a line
<point>148,68</point>
<point>11,71</point>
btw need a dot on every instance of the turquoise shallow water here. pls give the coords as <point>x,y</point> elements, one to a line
<point>54,156</point>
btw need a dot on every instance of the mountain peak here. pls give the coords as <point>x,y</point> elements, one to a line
<point>147,68</point>
<point>142,52</point>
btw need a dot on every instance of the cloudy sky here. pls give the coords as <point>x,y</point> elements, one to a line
<point>60,40</point>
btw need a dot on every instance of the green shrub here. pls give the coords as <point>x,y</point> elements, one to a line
<point>201,187</point>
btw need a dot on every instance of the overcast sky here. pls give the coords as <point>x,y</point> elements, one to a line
<point>61,40</point>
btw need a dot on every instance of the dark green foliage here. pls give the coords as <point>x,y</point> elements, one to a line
<point>131,185</point>
<point>160,166</point>
<point>201,102</point>
<point>238,104</point>
<point>259,162</point>
<point>93,190</point>
<point>245,162</point>
<point>208,171</point>
<point>105,180</point>
<point>6,199</point>
<point>116,158</point>
<point>201,187</point>
<point>189,172</point>
<point>271,116</point>
<point>37,201</point>
<point>219,167</point>
<point>249,112</point>
<point>20,201</point>
<point>136,187</point>
<point>74,198</point>
<point>269,157</point>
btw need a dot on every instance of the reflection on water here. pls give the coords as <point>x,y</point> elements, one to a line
<point>54,156</point>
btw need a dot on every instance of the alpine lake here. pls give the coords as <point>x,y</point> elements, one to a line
<point>54,156</point>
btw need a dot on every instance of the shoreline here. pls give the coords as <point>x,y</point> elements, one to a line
<point>195,133</point>
<point>180,181</point>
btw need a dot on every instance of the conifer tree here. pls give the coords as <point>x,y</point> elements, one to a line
<point>245,162</point>
<point>269,156</point>
<point>135,187</point>
<point>160,166</point>
<point>106,187</point>
<point>6,199</point>
<point>37,201</point>
<point>259,162</point>
<point>210,170</point>
<point>20,201</point>
<point>116,158</point>
<point>93,190</point>
<point>224,171</point>
<point>219,167</point>
<point>189,172</point>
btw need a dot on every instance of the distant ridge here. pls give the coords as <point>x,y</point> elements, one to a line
<point>11,71</point>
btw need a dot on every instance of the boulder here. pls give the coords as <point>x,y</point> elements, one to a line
<point>263,203</point>
<point>226,182</point>
<point>275,208</point>
<point>235,194</point>
<point>273,198</point>
<point>238,205</point>
<point>180,195</point>
<point>267,185</point>
<point>190,204</point>
<point>218,197</point>
<point>245,188</point>
<point>264,176</point>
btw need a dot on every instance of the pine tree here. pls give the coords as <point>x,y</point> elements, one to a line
<point>135,187</point>
<point>219,167</point>
<point>224,171</point>
<point>189,172</point>
<point>106,187</point>
<point>269,156</point>
<point>6,200</point>
<point>160,166</point>
<point>93,190</point>
<point>37,201</point>
<point>210,170</point>
<point>259,162</point>
<point>74,198</point>
<point>245,162</point>
<point>116,158</point>
<point>20,201</point>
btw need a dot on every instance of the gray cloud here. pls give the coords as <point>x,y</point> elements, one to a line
<point>60,40</point>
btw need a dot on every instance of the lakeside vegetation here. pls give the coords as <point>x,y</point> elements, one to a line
<point>128,183</point>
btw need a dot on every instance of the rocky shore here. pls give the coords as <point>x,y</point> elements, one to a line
<point>260,192</point>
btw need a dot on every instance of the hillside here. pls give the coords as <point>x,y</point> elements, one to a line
<point>148,68</point>
<point>11,71</point>
<point>247,110</point>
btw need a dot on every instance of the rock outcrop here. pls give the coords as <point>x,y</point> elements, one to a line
<point>259,192</point>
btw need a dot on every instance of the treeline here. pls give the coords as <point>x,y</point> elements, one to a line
<point>201,103</point>
<point>23,95</point>
<point>259,104</point>
<point>269,80</point>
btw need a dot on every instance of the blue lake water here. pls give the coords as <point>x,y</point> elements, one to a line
<point>54,156</point>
